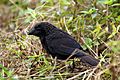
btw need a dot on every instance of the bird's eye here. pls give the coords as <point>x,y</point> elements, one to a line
<point>36,27</point>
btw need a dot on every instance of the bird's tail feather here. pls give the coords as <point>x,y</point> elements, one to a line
<point>86,58</point>
<point>90,60</point>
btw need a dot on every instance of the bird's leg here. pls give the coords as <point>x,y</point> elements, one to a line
<point>73,65</point>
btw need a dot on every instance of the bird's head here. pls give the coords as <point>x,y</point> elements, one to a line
<point>41,29</point>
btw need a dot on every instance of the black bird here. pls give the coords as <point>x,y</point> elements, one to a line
<point>59,43</point>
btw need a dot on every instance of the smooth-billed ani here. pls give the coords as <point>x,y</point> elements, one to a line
<point>59,43</point>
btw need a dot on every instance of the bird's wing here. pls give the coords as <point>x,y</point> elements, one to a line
<point>63,46</point>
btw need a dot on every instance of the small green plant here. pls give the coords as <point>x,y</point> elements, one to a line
<point>6,74</point>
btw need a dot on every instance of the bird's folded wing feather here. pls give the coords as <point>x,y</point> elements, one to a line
<point>63,46</point>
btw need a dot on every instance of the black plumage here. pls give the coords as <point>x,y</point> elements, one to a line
<point>59,43</point>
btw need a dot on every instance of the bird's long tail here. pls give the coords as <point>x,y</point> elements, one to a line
<point>86,58</point>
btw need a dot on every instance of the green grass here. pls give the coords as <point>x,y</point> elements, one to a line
<point>91,22</point>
